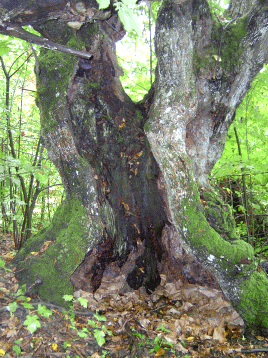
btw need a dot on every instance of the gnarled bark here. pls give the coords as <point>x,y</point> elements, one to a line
<point>94,135</point>
<point>204,70</point>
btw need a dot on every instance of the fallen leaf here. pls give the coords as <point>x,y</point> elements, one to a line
<point>54,346</point>
<point>219,334</point>
<point>95,355</point>
<point>160,352</point>
<point>11,333</point>
<point>260,338</point>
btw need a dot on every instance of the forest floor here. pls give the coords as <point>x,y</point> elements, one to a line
<point>176,321</point>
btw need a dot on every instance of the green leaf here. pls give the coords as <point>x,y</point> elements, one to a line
<point>4,46</point>
<point>99,317</point>
<point>157,347</point>
<point>25,298</point>
<point>255,206</point>
<point>168,344</point>
<point>103,4</point>
<point>12,161</point>
<point>66,345</point>
<point>82,334</point>
<point>31,30</point>
<point>32,323</point>
<point>16,349</point>
<point>107,330</point>
<point>163,329</point>
<point>129,19</point>
<point>241,208</point>
<point>27,305</point>
<point>3,265</point>
<point>83,301</point>
<point>44,311</point>
<point>138,334</point>
<point>68,297</point>
<point>92,323</point>
<point>18,341</point>
<point>42,178</point>
<point>99,336</point>
<point>21,290</point>
<point>15,181</point>
<point>157,339</point>
<point>13,306</point>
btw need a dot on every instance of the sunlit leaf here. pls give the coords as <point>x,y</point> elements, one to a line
<point>92,323</point>
<point>27,305</point>
<point>129,2</point>
<point>32,323</point>
<point>16,349</point>
<point>83,301</point>
<point>129,19</point>
<point>44,311</point>
<point>4,46</point>
<point>99,336</point>
<point>99,317</point>
<point>13,306</point>
<point>103,4</point>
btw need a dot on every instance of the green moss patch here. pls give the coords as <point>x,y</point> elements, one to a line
<point>253,304</point>
<point>219,215</point>
<point>225,49</point>
<point>54,266</point>
<point>56,69</point>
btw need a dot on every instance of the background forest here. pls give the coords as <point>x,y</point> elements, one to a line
<point>30,187</point>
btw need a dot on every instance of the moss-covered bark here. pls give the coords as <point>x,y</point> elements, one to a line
<point>47,260</point>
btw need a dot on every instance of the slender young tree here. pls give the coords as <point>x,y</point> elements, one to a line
<point>136,174</point>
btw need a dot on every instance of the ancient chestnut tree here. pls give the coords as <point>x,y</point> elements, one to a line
<point>136,174</point>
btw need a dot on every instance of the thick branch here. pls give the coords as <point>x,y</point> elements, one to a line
<point>17,31</point>
<point>239,8</point>
<point>253,49</point>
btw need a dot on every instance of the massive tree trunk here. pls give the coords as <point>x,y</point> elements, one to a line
<point>130,203</point>
<point>204,70</point>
